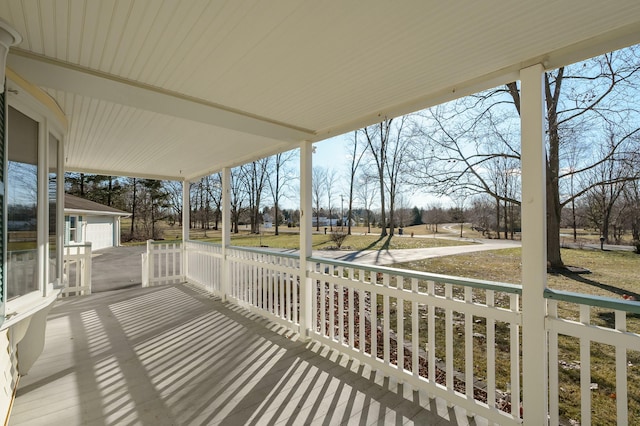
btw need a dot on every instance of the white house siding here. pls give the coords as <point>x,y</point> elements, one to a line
<point>99,231</point>
<point>8,373</point>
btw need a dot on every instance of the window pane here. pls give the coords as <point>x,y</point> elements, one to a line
<point>22,205</point>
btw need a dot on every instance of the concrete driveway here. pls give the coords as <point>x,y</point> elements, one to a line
<point>116,268</point>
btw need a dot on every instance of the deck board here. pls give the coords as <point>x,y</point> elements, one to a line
<point>173,355</point>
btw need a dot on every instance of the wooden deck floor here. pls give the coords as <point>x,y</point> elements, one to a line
<point>175,356</point>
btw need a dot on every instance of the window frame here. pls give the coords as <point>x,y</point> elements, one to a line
<point>33,104</point>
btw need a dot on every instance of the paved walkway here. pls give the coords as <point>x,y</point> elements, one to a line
<point>116,268</point>
<point>172,355</point>
<point>388,257</point>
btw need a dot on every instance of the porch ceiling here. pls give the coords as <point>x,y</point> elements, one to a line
<point>183,88</point>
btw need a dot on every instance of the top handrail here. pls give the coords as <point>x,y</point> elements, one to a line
<point>597,301</point>
<point>265,250</point>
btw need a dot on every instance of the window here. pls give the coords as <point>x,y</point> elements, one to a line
<point>22,204</point>
<point>75,229</point>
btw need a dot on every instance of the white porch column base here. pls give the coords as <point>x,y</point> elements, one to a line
<point>306,213</point>
<point>534,248</point>
<point>225,284</point>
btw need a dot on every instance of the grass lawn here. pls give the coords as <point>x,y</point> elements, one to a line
<point>613,274</point>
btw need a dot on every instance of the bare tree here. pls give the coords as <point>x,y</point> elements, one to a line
<point>367,193</point>
<point>604,196</point>
<point>387,144</point>
<point>377,137</point>
<point>238,197</point>
<point>173,188</point>
<point>318,183</point>
<point>357,152</point>
<point>584,101</point>
<point>632,203</point>
<point>280,177</point>
<point>330,182</point>
<point>256,177</point>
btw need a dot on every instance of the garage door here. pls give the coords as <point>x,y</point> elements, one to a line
<point>99,231</point>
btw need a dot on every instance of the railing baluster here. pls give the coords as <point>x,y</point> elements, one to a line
<point>351,311</point>
<point>431,333</point>
<point>331,292</point>
<point>468,345</point>
<point>585,369</point>
<point>373,316</point>
<point>400,325</point>
<point>281,282</point>
<point>296,292</point>
<point>514,303</point>
<point>621,372</point>
<point>448,325</point>
<point>362,318</point>
<point>415,330</point>
<point>554,386</point>
<point>385,321</point>
<point>314,296</point>
<point>340,306</point>
<point>491,351</point>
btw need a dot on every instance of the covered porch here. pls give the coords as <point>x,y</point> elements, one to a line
<point>176,91</point>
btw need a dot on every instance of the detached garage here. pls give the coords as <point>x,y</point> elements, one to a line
<point>87,221</point>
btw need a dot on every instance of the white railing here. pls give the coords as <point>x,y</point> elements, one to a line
<point>204,265</point>
<point>597,329</point>
<point>458,339</point>
<point>435,332</point>
<point>267,282</point>
<point>162,263</point>
<point>76,275</point>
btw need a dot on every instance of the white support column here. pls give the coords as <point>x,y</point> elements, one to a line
<point>534,248</point>
<point>225,284</point>
<point>306,213</point>
<point>186,225</point>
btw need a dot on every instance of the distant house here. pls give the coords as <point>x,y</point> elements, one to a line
<point>87,221</point>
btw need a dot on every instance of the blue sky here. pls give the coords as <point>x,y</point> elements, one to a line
<point>333,154</point>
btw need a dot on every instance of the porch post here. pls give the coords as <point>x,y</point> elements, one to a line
<point>225,284</point>
<point>306,165</point>
<point>534,248</point>
<point>186,225</point>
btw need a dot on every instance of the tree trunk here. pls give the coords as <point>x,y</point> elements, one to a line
<point>133,208</point>
<point>383,216</point>
<point>110,191</point>
<point>554,208</point>
<point>498,218</point>
<point>505,211</point>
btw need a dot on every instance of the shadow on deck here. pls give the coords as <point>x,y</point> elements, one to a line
<point>173,355</point>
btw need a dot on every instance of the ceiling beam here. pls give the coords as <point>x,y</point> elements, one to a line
<point>57,75</point>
